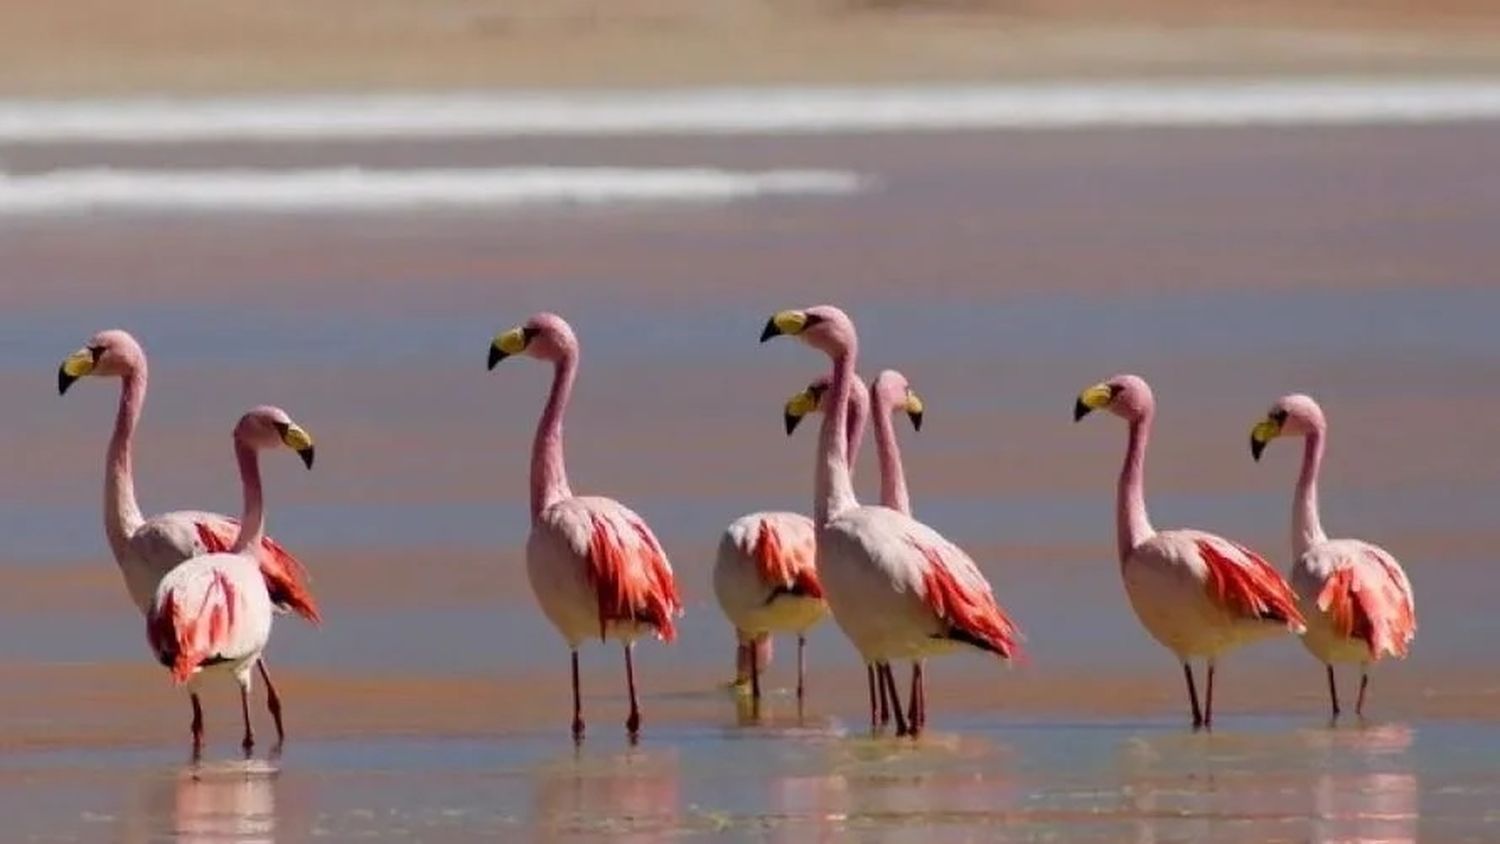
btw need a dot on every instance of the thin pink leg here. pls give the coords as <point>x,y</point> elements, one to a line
<point>633,723</point>
<point>918,716</point>
<point>881,669</point>
<point>273,702</point>
<point>248,742</point>
<point>874,697</point>
<point>1187,671</point>
<point>889,680</point>
<point>754,673</point>
<point>1208,701</point>
<point>801,666</point>
<point>1333,692</point>
<point>1364,684</point>
<point>578,701</point>
<point>197,726</point>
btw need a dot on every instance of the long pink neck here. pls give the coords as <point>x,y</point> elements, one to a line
<point>253,516</point>
<point>834,490</point>
<point>1132,525</point>
<point>122,515</point>
<point>859,409</point>
<point>892,475</point>
<point>549,477</point>
<point>1307,527</point>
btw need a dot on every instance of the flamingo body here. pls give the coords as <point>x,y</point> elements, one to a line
<point>764,574</point>
<point>598,571</point>
<point>1200,595</point>
<point>899,590</point>
<point>212,612</point>
<point>1357,601</point>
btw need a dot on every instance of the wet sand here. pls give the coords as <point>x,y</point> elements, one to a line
<point>1001,271</point>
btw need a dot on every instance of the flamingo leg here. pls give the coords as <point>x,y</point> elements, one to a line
<point>1192,687</point>
<point>874,698</point>
<point>578,701</point>
<point>197,727</point>
<point>1208,701</point>
<point>1333,691</point>
<point>633,723</point>
<point>248,742</point>
<point>1364,684</point>
<point>885,700</point>
<point>754,673</point>
<point>801,665</point>
<point>918,700</point>
<point>273,701</point>
<point>890,685</point>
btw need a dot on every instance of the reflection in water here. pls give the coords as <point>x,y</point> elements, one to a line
<point>1345,785</point>
<point>213,803</point>
<point>632,796</point>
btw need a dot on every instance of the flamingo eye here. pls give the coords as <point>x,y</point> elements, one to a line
<point>1279,416</point>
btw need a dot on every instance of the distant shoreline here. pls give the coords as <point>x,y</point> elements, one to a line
<point>99,48</point>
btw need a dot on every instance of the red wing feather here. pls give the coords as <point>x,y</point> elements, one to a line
<point>972,614</point>
<point>183,640</point>
<point>1370,605</point>
<point>785,562</point>
<point>286,578</point>
<point>1249,587</point>
<point>632,582</point>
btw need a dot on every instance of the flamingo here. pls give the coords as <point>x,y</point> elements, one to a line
<point>1355,596</point>
<point>594,565</point>
<point>888,393</point>
<point>146,549</point>
<point>764,577</point>
<point>897,588</point>
<point>213,612</point>
<point>1198,594</point>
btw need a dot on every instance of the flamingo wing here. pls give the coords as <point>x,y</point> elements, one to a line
<point>1242,582</point>
<point>958,594</point>
<point>1369,599</point>
<point>192,621</point>
<point>627,568</point>
<point>784,552</point>
<point>286,578</point>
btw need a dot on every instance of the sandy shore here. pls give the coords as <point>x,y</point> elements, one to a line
<point>95,47</point>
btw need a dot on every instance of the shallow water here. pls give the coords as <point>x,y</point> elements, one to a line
<point>1001,272</point>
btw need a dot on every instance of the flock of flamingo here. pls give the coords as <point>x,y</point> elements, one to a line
<point>209,585</point>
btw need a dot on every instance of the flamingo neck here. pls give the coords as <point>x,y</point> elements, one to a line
<point>1132,525</point>
<point>122,515</point>
<point>1307,527</point>
<point>859,410</point>
<point>834,488</point>
<point>253,517</point>
<point>549,476</point>
<point>892,475</point>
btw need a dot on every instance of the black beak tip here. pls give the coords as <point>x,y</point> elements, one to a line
<point>1080,410</point>
<point>64,381</point>
<point>792,421</point>
<point>1256,448</point>
<point>769,331</point>
<point>916,420</point>
<point>495,357</point>
<point>307,456</point>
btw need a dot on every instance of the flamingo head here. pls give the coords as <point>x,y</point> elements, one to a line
<point>1126,396</point>
<point>1294,414</point>
<point>891,392</point>
<point>545,336</point>
<point>108,353</point>
<point>268,427</point>
<point>824,327</point>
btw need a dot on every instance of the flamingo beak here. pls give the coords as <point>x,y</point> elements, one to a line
<point>507,343</point>
<point>785,322</point>
<point>75,366</point>
<point>914,410</point>
<point>1092,399</point>
<point>797,407</point>
<point>1261,435</point>
<point>307,456</point>
<point>299,440</point>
